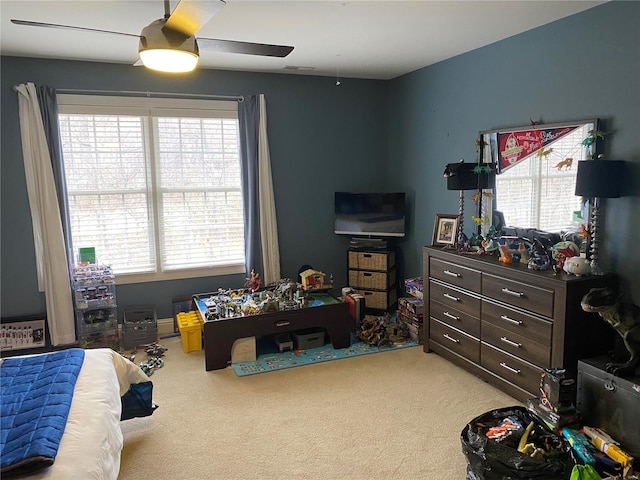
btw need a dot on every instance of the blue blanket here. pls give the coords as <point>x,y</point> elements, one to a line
<point>36,397</point>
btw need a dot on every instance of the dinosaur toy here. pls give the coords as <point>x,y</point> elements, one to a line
<point>544,152</point>
<point>505,254</point>
<point>592,136</point>
<point>624,318</point>
<point>476,196</point>
<point>566,164</point>
<point>482,169</point>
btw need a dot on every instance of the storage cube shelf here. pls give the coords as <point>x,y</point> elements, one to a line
<point>95,306</point>
<point>372,274</point>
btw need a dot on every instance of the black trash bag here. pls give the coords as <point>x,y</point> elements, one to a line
<point>138,401</point>
<point>488,459</point>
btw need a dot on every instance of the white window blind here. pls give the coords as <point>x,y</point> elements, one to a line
<point>154,184</point>
<point>538,178</point>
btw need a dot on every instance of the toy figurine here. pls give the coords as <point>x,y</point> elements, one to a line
<point>253,283</point>
<point>566,164</point>
<point>505,255</point>
<point>577,266</point>
<point>624,318</point>
<point>563,250</point>
<point>539,258</point>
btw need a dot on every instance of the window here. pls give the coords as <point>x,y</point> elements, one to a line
<point>154,184</point>
<point>542,177</point>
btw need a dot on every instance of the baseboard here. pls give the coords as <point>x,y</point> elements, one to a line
<point>165,326</point>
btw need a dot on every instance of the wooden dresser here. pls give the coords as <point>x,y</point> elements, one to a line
<point>506,323</point>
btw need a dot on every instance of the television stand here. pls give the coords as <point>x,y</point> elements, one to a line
<point>363,243</point>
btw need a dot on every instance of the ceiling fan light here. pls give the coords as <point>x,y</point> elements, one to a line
<point>169,60</point>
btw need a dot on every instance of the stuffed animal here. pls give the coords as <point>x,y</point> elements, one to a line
<point>624,318</point>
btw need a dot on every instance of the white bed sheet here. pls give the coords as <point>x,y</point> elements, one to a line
<point>92,441</point>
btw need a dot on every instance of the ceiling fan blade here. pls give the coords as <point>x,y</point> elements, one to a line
<point>69,27</point>
<point>232,46</point>
<point>189,16</point>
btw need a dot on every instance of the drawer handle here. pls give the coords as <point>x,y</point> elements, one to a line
<point>512,292</point>
<point>367,274</point>
<point>450,297</point>
<point>451,339</point>
<point>511,320</point>
<point>367,255</point>
<point>452,274</point>
<point>511,369</point>
<point>511,342</point>
<point>450,315</point>
<point>282,323</point>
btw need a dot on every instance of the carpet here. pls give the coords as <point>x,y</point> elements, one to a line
<point>271,361</point>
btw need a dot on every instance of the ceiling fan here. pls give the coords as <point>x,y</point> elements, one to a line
<point>169,44</point>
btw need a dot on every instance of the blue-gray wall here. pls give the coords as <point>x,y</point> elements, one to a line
<point>370,135</point>
<point>322,138</point>
<point>583,66</point>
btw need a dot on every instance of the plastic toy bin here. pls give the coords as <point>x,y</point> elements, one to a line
<point>190,327</point>
<point>139,327</point>
<point>308,338</point>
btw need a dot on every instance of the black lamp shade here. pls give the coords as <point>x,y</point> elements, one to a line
<point>460,176</point>
<point>600,178</point>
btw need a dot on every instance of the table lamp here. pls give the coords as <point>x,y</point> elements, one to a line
<point>598,179</point>
<point>467,176</point>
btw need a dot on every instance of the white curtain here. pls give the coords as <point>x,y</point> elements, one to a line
<point>50,251</point>
<point>268,221</point>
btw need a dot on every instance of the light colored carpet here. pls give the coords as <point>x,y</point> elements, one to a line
<point>394,415</point>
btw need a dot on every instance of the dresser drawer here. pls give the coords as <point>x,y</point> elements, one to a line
<point>371,261</point>
<point>510,368</point>
<point>517,345</point>
<point>534,299</point>
<point>454,298</point>
<point>460,276</point>
<point>373,280</point>
<point>454,340</point>
<point>527,326</point>
<point>455,318</point>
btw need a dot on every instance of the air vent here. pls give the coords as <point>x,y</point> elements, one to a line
<point>298,68</point>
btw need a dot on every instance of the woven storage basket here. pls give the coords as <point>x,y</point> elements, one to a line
<point>378,300</point>
<point>371,261</point>
<point>373,280</point>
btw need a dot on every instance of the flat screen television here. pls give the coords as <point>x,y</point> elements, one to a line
<point>370,214</point>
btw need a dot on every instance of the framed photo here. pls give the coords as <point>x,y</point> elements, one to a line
<point>445,229</point>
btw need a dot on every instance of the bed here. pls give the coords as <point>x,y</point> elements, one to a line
<point>90,442</point>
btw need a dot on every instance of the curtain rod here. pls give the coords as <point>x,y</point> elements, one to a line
<point>149,94</point>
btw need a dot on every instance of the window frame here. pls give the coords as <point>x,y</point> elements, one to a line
<point>152,107</point>
<point>487,147</point>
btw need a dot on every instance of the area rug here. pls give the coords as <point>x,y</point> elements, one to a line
<point>272,361</point>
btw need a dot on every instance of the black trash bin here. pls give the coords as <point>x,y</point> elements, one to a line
<point>489,459</point>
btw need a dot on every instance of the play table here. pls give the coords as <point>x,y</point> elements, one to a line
<point>220,334</point>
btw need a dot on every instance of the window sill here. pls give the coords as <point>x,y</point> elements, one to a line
<point>128,278</point>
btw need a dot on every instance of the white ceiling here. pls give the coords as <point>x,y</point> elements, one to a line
<point>356,38</point>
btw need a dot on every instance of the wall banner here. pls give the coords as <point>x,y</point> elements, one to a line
<point>515,146</point>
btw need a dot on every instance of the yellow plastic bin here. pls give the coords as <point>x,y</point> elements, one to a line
<point>190,327</point>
